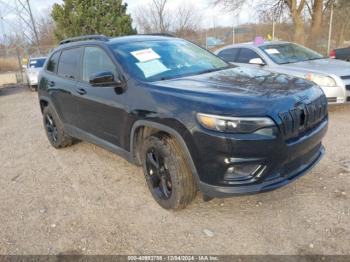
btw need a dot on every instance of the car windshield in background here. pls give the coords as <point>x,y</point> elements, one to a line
<point>166,59</point>
<point>36,63</point>
<point>289,53</point>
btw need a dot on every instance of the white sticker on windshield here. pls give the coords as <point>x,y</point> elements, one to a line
<point>272,51</point>
<point>33,62</point>
<point>145,55</point>
<point>152,68</point>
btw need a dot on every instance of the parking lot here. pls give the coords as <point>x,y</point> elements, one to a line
<point>86,200</point>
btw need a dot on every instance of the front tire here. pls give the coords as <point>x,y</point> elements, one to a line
<point>167,173</point>
<point>54,129</point>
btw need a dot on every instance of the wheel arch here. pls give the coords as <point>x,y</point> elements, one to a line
<point>150,127</point>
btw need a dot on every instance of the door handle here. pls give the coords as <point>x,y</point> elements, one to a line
<point>51,83</point>
<point>81,91</point>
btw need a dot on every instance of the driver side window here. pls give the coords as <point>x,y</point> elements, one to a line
<point>95,61</point>
<point>245,55</point>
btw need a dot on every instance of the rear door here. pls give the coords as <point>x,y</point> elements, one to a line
<point>62,80</point>
<point>101,110</point>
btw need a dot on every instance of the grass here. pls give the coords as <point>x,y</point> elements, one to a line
<point>8,64</point>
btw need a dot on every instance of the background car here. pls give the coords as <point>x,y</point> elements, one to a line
<point>33,67</point>
<point>341,53</point>
<point>333,76</point>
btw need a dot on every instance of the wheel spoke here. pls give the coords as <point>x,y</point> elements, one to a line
<point>153,160</point>
<point>158,174</point>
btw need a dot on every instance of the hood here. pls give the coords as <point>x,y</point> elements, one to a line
<point>323,66</point>
<point>241,81</point>
<point>240,88</point>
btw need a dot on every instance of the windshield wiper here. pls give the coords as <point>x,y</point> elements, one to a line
<point>213,70</point>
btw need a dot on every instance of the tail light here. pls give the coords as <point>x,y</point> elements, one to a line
<point>332,54</point>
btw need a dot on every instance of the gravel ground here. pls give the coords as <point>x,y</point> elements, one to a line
<point>86,200</point>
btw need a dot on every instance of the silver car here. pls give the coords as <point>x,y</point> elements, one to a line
<point>32,69</point>
<point>333,76</point>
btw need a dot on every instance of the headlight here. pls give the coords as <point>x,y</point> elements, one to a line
<point>321,80</point>
<point>244,125</point>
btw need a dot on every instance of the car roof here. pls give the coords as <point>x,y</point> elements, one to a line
<point>138,38</point>
<point>254,45</point>
<point>117,40</point>
<point>37,57</point>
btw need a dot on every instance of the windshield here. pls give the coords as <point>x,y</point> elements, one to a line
<point>36,63</point>
<point>289,53</point>
<point>165,59</point>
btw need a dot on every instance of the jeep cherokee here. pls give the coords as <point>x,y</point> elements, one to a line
<point>190,119</point>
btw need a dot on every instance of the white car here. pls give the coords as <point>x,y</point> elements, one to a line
<point>32,70</point>
<point>333,76</point>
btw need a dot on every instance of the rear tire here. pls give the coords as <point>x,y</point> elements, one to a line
<point>54,129</point>
<point>33,88</point>
<point>167,172</point>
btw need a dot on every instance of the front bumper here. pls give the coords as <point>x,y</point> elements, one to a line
<point>267,185</point>
<point>336,94</point>
<point>32,79</point>
<point>284,160</point>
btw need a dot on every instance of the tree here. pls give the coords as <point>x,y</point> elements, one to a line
<point>187,19</point>
<point>81,17</point>
<point>274,8</point>
<point>157,18</point>
<point>294,9</point>
<point>341,21</point>
<point>154,18</point>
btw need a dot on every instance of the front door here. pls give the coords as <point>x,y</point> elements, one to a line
<point>100,109</point>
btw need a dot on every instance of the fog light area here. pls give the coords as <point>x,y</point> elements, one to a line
<point>243,171</point>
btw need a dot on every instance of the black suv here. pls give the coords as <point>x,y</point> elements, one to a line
<point>190,119</point>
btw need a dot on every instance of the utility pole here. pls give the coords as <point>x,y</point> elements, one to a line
<point>233,35</point>
<point>233,28</point>
<point>34,27</point>
<point>330,28</point>
<point>3,32</point>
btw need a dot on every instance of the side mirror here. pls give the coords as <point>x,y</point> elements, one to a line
<point>105,79</point>
<point>24,66</point>
<point>257,61</point>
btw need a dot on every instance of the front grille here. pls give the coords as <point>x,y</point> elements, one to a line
<point>303,117</point>
<point>347,87</point>
<point>331,99</point>
<point>345,77</point>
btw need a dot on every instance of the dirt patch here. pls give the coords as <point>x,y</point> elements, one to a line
<point>86,200</point>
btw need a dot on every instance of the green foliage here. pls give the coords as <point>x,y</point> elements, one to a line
<point>82,17</point>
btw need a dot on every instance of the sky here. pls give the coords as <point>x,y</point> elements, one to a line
<point>210,16</point>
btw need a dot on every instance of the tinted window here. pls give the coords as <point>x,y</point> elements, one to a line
<point>229,54</point>
<point>245,55</point>
<point>69,63</point>
<point>36,62</point>
<point>96,61</point>
<point>53,62</point>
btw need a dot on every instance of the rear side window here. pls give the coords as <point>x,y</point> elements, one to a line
<point>229,54</point>
<point>53,62</point>
<point>97,61</point>
<point>69,63</point>
<point>245,55</point>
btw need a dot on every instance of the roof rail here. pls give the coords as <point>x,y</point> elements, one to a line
<point>83,38</point>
